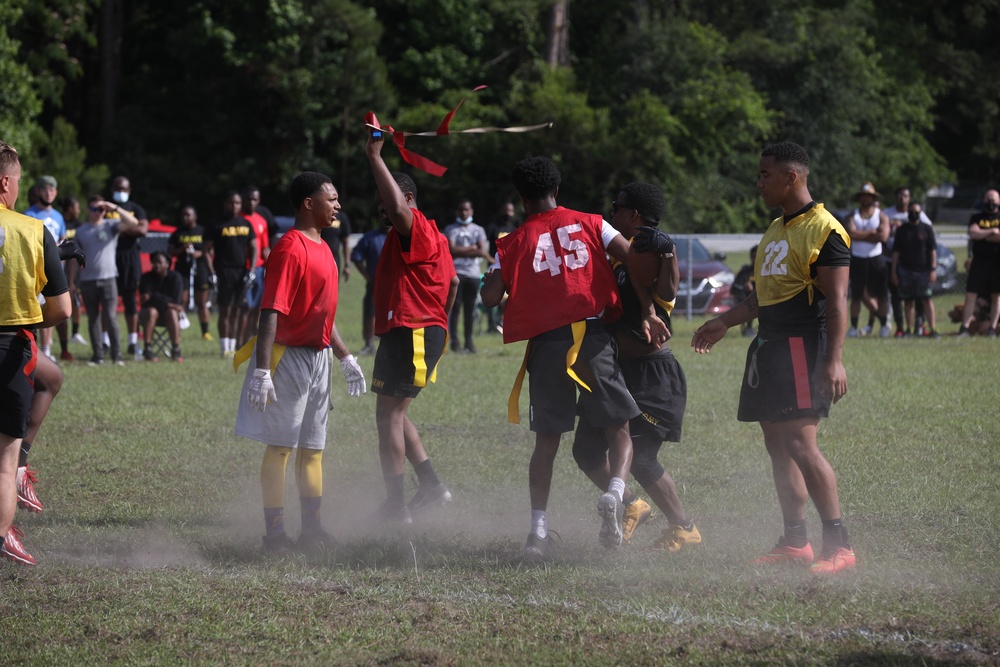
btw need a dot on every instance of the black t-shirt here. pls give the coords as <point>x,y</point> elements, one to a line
<point>915,244</point>
<point>335,234</point>
<point>631,319</point>
<point>230,240</point>
<point>183,236</point>
<point>498,228</point>
<point>71,227</point>
<point>161,290</point>
<point>127,244</point>
<point>54,274</point>
<point>984,249</point>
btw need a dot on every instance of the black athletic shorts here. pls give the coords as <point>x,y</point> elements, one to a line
<point>230,285</point>
<point>659,387</point>
<point>553,393</point>
<point>18,356</point>
<point>913,284</point>
<point>869,273</point>
<point>406,359</point>
<point>984,276</point>
<point>782,379</point>
<point>129,272</point>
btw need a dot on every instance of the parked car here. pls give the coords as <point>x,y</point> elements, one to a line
<point>711,280</point>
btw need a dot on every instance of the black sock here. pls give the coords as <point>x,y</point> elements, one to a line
<point>882,320</point>
<point>395,490</point>
<point>795,534</point>
<point>204,328</point>
<point>76,328</point>
<point>854,322</point>
<point>425,473</point>
<point>834,534</point>
<point>871,320</point>
<point>22,457</point>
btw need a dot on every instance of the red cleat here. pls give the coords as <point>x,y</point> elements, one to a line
<point>12,548</point>
<point>783,554</point>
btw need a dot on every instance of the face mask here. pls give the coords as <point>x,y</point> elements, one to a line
<point>914,217</point>
<point>992,206</point>
<point>119,197</point>
<point>464,221</point>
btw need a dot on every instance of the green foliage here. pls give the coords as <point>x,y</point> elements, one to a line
<point>20,103</point>
<point>59,154</point>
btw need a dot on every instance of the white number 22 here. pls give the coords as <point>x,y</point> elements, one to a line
<point>576,254</point>
<point>774,259</point>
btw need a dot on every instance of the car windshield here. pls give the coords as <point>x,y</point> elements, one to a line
<point>698,251</point>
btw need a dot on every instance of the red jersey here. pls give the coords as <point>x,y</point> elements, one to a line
<point>259,226</point>
<point>412,278</point>
<point>302,286</point>
<point>556,272</point>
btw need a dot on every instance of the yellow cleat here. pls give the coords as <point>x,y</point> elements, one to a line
<point>635,515</point>
<point>675,537</point>
<point>207,336</point>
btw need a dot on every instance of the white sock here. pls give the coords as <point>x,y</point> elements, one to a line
<point>46,350</point>
<point>133,338</point>
<point>107,339</point>
<point>617,486</point>
<point>538,526</point>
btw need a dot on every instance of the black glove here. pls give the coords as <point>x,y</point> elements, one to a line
<point>651,239</point>
<point>70,250</point>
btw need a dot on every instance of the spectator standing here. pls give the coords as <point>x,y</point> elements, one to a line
<point>286,392</point>
<point>187,245</point>
<point>71,214</point>
<point>415,288</point>
<point>984,271</point>
<point>231,246</point>
<point>898,215</point>
<point>914,268</point>
<point>468,244</point>
<point>31,267</point>
<point>501,225</point>
<point>161,292</point>
<point>365,257</point>
<point>250,306</point>
<point>338,236</point>
<point>48,190</point>
<point>98,279</point>
<point>128,259</point>
<point>743,285</point>
<point>868,228</point>
<point>794,368</point>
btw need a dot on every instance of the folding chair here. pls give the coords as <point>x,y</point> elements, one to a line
<point>161,345</point>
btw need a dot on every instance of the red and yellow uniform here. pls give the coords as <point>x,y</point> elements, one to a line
<point>306,300</point>
<point>413,278</point>
<point>558,252</point>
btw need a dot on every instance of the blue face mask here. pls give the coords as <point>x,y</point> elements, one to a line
<point>464,221</point>
<point>119,196</point>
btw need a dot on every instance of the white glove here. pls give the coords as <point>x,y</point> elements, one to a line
<point>261,390</point>
<point>352,373</point>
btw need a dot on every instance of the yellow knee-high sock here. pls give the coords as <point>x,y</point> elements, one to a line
<point>272,475</point>
<point>309,477</point>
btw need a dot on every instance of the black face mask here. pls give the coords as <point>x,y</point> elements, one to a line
<point>991,206</point>
<point>914,217</point>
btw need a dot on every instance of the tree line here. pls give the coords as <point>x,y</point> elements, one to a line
<point>191,99</point>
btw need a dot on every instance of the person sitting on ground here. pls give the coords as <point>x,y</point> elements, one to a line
<point>160,292</point>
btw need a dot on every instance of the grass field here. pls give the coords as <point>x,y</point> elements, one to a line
<point>148,547</point>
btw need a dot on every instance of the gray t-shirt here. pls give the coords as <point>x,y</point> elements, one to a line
<point>464,236</point>
<point>99,242</point>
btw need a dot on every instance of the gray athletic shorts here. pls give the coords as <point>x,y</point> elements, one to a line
<point>298,418</point>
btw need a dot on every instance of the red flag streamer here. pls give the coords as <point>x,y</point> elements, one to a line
<point>429,166</point>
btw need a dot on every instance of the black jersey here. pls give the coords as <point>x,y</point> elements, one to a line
<point>127,244</point>
<point>230,240</point>
<point>182,236</point>
<point>984,249</point>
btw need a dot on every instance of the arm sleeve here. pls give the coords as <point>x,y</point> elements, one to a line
<point>56,278</point>
<point>834,253</point>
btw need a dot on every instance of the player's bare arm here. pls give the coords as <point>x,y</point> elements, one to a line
<point>711,332</point>
<point>452,295</point>
<point>833,281</point>
<point>391,198</point>
<point>266,329</point>
<point>493,289</point>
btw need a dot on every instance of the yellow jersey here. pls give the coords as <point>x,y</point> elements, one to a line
<point>22,268</point>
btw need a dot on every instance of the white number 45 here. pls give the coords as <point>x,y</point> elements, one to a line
<point>575,254</point>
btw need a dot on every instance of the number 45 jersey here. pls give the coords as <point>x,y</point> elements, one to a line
<point>785,270</point>
<point>556,271</point>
